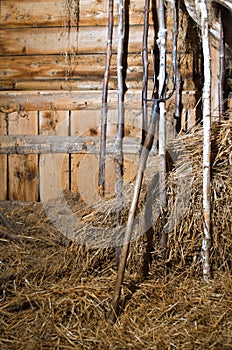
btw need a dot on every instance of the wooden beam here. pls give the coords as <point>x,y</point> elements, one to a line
<point>40,144</point>
<point>50,41</point>
<point>65,85</point>
<point>35,13</point>
<point>11,101</point>
<point>58,66</point>
<point>44,100</point>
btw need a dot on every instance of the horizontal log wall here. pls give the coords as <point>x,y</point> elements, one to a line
<point>41,50</point>
<point>51,76</point>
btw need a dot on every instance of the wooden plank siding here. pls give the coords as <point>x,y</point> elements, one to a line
<point>34,13</point>
<point>53,168</point>
<point>53,41</point>
<point>40,144</point>
<point>52,62</point>
<point>41,48</point>
<point>82,100</point>
<point>23,169</point>
<point>56,67</point>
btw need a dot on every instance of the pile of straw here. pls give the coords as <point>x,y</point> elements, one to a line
<point>56,293</point>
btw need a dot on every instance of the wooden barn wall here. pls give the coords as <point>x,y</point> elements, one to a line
<point>52,60</point>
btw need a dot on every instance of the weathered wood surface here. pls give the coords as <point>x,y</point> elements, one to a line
<point>23,169</point>
<point>60,66</point>
<point>34,13</point>
<point>83,72</point>
<point>11,101</point>
<point>53,168</point>
<point>65,85</point>
<point>45,100</point>
<point>52,41</point>
<point>40,144</point>
<point>42,76</point>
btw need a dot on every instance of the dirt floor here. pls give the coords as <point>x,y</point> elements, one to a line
<point>56,293</point>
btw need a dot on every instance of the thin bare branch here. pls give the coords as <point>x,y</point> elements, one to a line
<point>101,180</point>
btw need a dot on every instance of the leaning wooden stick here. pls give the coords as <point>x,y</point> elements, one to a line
<point>137,188</point>
<point>101,179</point>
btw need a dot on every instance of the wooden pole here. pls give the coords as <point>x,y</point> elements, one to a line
<point>206,242</point>
<point>222,68</point>
<point>177,74</point>
<point>101,179</point>
<point>118,150</point>
<point>118,156</point>
<point>137,188</point>
<point>145,69</point>
<point>161,42</point>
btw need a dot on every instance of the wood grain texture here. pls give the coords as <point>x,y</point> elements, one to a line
<point>53,168</point>
<point>50,41</point>
<point>23,169</point>
<point>40,144</point>
<point>78,72</point>
<point>45,100</point>
<point>61,66</point>
<point>84,168</point>
<point>35,13</point>
<point>11,101</point>
<point>23,177</point>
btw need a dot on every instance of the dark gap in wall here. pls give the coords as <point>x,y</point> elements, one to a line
<point>7,159</point>
<point>38,160</point>
<point>70,155</point>
<point>155,48</point>
<point>126,43</point>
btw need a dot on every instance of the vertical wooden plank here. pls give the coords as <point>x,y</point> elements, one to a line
<point>84,167</point>
<point>23,169</point>
<point>23,177</point>
<point>184,120</point>
<point>3,161</point>
<point>53,168</point>
<point>191,119</point>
